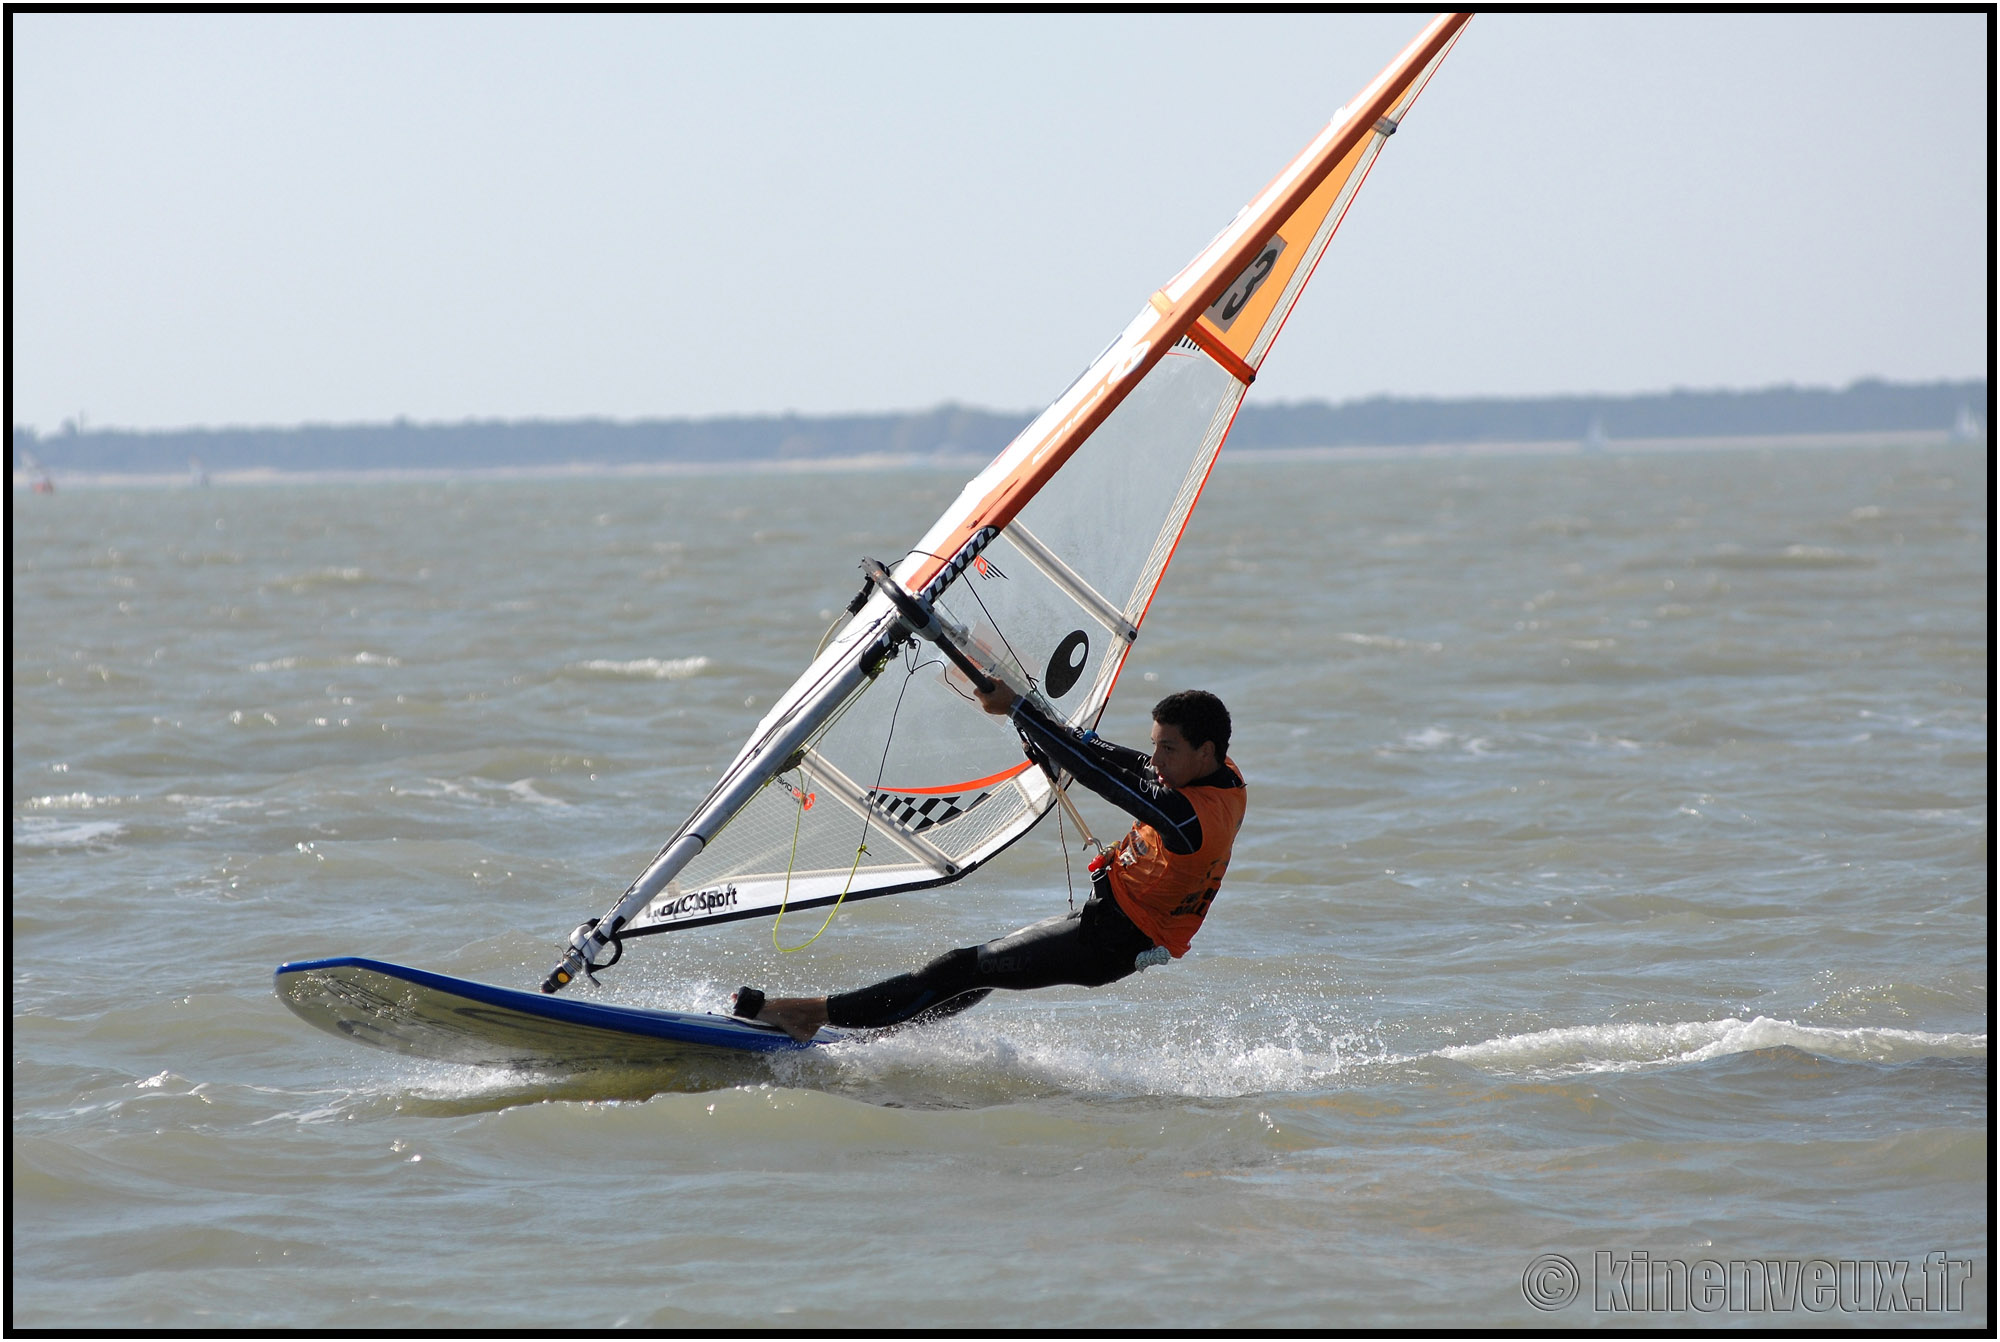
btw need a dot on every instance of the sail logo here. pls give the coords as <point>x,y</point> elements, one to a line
<point>698,901</point>
<point>1226,309</point>
<point>1066,664</point>
<point>917,814</point>
<point>968,553</point>
<point>1128,363</point>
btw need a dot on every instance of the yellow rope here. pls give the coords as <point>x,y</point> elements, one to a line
<point>786,898</point>
<point>800,798</point>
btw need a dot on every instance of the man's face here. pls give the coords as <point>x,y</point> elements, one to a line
<point>1175,761</point>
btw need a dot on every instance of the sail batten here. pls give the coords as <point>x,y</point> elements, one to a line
<point>867,804</point>
<point>1065,577</point>
<point>1092,499</point>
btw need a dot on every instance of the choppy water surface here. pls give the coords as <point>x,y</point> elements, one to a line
<point>1615,879</point>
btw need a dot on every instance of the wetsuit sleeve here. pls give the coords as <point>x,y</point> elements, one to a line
<point>1122,777</point>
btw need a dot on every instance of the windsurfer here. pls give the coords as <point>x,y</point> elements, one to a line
<point>1149,893</point>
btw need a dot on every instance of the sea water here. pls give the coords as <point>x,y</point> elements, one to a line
<point>1613,894</point>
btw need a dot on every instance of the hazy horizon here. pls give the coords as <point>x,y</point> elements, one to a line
<point>862,413</point>
<point>231,220</point>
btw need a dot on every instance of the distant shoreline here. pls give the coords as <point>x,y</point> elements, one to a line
<point>968,463</point>
<point>545,449</point>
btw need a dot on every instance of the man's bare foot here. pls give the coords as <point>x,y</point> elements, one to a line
<point>799,1017</point>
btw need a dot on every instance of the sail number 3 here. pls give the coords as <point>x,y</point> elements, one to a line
<point>1226,309</point>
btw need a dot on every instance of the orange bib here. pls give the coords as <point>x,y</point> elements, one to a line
<point>1166,895</point>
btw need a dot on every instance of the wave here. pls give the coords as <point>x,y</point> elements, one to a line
<point>646,668</point>
<point>363,658</point>
<point>996,1061</point>
<point>1434,738</point>
<point>1217,1063</point>
<point>1389,642</point>
<point>35,831</point>
<point>1619,1048</point>
<point>524,789</point>
<point>1792,556</point>
<point>330,575</point>
<point>967,1064</point>
<point>69,801</point>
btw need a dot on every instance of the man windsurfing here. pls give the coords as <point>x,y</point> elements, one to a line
<point>1149,893</point>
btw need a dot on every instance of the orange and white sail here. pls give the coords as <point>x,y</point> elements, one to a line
<point>876,772</point>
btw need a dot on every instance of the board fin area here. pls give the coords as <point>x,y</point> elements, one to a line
<point>445,1019</point>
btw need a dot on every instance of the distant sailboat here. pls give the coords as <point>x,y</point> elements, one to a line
<point>196,475</point>
<point>1594,437</point>
<point>32,465</point>
<point>1967,429</point>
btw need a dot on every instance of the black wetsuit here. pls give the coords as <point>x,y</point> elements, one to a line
<point>1095,945</point>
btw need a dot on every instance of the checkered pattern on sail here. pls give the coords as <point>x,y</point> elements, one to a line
<point>917,814</point>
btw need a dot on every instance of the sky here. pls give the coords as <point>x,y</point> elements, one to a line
<point>237,219</point>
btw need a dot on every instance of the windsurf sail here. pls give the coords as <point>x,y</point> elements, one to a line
<point>876,772</point>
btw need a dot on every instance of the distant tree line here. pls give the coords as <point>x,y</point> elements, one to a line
<point>1381,421</point>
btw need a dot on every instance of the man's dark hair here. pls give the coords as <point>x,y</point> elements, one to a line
<point>1200,717</point>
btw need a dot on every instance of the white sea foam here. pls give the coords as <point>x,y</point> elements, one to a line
<point>1438,738</point>
<point>524,788</point>
<point>200,811</point>
<point>445,788</point>
<point>363,658</point>
<point>647,668</point>
<point>36,831</point>
<point>1215,1063</point>
<point>69,801</point>
<point>1390,642</point>
<point>1620,1048</point>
